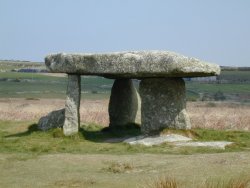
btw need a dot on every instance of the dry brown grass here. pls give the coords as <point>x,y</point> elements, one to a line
<point>21,109</point>
<point>170,182</point>
<point>219,115</point>
<point>164,182</point>
<point>118,167</point>
<point>231,183</point>
<point>202,114</point>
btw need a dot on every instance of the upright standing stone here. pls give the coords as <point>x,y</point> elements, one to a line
<point>124,103</point>
<point>163,104</point>
<point>72,116</point>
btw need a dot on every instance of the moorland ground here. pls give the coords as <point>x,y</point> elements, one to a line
<point>211,115</point>
<point>31,158</point>
<point>47,159</point>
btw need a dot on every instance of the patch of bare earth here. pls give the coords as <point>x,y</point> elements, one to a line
<point>202,114</point>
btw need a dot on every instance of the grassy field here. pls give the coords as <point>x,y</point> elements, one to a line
<point>235,76</point>
<point>238,92</point>
<point>6,65</point>
<point>208,115</point>
<point>29,158</point>
<point>24,137</point>
<point>112,171</point>
<point>32,158</point>
<point>33,85</point>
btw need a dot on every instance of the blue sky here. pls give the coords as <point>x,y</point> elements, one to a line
<point>212,30</point>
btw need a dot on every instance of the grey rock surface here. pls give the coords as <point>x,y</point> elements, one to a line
<point>72,105</point>
<point>134,64</point>
<point>138,113</point>
<point>213,144</point>
<point>53,120</point>
<point>156,140</point>
<point>163,104</point>
<point>176,140</point>
<point>124,104</point>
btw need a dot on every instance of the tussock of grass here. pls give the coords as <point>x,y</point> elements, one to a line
<point>170,182</point>
<point>231,183</point>
<point>164,182</point>
<point>118,167</point>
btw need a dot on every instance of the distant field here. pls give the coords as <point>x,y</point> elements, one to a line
<point>239,92</point>
<point>12,65</point>
<point>26,85</point>
<point>236,76</point>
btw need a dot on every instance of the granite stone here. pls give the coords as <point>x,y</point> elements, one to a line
<point>133,64</point>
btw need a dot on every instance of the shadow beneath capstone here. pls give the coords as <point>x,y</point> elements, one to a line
<point>32,128</point>
<point>111,135</point>
<point>91,133</point>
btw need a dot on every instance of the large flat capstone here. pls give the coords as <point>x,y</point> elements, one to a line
<point>134,64</point>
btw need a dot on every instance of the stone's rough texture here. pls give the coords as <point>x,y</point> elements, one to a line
<point>53,120</point>
<point>218,144</point>
<point>72,116</point>
<point>138,113</point>
<point>156,140</point>
<point>124,103</point>
<point>163,104</point>
<point>135,64</point>
<point>174,139</point>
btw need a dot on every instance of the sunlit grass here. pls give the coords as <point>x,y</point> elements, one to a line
<point>92,138</point>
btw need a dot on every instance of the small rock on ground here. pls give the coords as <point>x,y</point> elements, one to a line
<point>53,120</point>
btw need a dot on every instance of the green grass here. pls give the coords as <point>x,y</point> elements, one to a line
<point>29,158</point>
<point>10,65</point>
<point>24,137</point>
<point>213,88</point>
<point>33,85</point>
<point>235,76</point>
<point>30,76</point>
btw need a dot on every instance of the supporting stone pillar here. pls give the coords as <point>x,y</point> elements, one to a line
<point>72,116</point>
<point>163,104</point>
<point>124,104</point>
